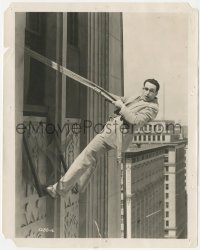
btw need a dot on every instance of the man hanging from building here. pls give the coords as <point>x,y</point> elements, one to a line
<point>131,111</point>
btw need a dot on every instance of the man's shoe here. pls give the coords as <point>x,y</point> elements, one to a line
<point>52,192</point>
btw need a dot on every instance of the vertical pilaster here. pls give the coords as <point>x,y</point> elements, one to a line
<point>58,110</point>
<point>96,106</point>
<point>128,198</point>
<point>20,22</point>
<point>62,93</point>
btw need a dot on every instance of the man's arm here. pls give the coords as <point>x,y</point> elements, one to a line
<point>122,98</point>
<point>141,118</point>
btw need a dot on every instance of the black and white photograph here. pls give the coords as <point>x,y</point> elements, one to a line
<point>101,121</point>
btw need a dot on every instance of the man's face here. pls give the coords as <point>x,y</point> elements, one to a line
<point>149,92</point>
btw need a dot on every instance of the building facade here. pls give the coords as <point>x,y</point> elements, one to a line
<point>158,131</point>
<point>49,104</point>
<point>144,201</point>
<point>175,191</point>
<point>169,134</point>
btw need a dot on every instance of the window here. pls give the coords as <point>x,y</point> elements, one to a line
<point>34,71</point>
<point>144,128</point>
<point>166,151</point>
<point>33,21</point>
<point>167,214</point>
<point>163,137</point>
<point>167,223</point>
<point>135,138</point>
<point>167,195</point>
<point>158,128</point>
<point>149,138</point>
<point>72,28</point>
<point>144,137</point>
<point>139,137</point>
<point>167,204</point>
<point>167,186</point>
<point>166,159</point>
<point>158,137</point>
<point>154,138</point>
<point>166,168</point>
<point>166,177</point>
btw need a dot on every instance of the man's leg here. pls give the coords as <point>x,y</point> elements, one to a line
<point>87,160</point>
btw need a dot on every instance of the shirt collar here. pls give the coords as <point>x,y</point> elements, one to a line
<point>155,100</point>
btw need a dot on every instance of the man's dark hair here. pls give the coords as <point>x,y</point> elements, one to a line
<point>153,81</point>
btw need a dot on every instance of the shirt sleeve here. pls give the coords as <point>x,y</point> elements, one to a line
<point>124,98</point>
<point>141,118</point>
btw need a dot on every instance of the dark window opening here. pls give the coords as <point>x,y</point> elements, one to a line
<point>145,128</point>
<point>36,88</point>
<point>33,22</point>
<point>72,29</point>
<point>34,71</point>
